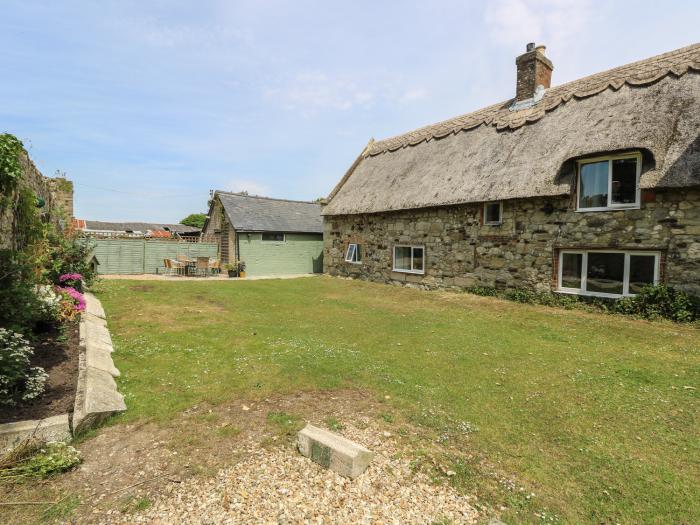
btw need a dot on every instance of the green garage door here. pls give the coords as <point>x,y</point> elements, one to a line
<point>298,253</point>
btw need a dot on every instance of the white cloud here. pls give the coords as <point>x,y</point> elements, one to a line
<point>556,23</point>
<point>251,186</point>
<point>312,92</point>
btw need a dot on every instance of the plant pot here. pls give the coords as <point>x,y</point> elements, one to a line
<point>232,273</point>
<point>241,274</point>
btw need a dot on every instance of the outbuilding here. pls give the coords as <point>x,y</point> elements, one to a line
<point>272,236</point>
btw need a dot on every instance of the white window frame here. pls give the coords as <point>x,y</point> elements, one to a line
<point>412,247</point>
<point>500,213</point>
<point>356,257</point>
<point>584,272</point>
<point>611,206</point>
<point>284,237</point>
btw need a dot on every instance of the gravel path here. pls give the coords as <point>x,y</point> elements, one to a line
<point>278,485</point>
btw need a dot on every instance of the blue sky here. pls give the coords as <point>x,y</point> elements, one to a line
<point>146,105</point>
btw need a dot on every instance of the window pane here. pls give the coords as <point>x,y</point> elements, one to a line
<point>571,266</point>
<point>492,212</point>
<point>358,253</point>
<point>418,259</point>
<point>351,253</point>
<point>279,237</point>
<point>594,185</point>
<point>624,181</point>
<point>605,272</point>
<point>641,271</point>
<point>402,257</point>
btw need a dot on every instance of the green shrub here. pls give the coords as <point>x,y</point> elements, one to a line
<point>660,302</point>
<point>20,307</point>
<point>18,380</point>
<point>653,302</point>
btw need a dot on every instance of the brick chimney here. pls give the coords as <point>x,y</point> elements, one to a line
<point>534,69</point>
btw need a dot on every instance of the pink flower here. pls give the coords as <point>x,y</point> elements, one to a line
<point>74,294</point>
<point>70,277</point>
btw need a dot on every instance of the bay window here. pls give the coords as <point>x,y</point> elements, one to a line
<point>607,273</point>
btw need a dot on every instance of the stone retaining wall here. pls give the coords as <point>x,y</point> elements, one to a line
<point>521,252</point>
<point>96,394</point>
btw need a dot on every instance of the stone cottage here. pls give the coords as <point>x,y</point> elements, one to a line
<point>272,236</point>
<point>591,187</point>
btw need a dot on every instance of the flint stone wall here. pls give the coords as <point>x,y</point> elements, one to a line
<point>523,251</point>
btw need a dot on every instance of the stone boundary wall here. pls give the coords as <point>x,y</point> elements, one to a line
<point>96,395</point>
<point>460,251</point>
<point>57,194</point>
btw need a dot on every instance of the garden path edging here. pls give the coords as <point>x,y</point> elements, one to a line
<point>96,396</point>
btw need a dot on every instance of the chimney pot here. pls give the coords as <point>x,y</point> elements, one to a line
<point>533,69</point>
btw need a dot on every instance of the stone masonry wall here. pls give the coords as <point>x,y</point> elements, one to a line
<point>55,201</point>
<point>523,251</point>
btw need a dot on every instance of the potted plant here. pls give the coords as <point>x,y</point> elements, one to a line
<point>232,269</point>
<point>241,268</point>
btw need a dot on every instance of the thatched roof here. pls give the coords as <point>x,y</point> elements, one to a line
<point>264,214</point>
<point>496,153</point>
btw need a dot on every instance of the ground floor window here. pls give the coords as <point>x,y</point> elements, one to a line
<point>409,259</point>
<point>353,255</point>
<point>607,273</point>
<point>493,213</point>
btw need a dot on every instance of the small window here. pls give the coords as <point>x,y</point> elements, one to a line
<point>409,259</point>
<point>609,183</point>
<point>353,255</point>
<point>607,273</point>
<point>493,212</point>
<point>273,237</point>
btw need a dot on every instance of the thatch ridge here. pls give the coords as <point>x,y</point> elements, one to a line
<point>649,106</point>
<point>640,73</point>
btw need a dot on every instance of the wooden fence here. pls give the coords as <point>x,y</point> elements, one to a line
<point>137,256</point>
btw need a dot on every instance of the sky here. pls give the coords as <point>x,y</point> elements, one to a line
<point>147,105</point>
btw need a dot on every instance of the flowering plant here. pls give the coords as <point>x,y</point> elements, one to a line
<point>74,280</point>
<point>72,302</point>
<point>18,380</point>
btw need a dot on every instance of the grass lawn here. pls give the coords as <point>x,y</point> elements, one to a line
<point>596,415</point>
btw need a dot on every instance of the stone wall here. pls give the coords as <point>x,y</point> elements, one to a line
<point>57,195</point>
<point>521,252</point>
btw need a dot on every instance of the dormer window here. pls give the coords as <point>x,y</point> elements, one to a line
<point>609,183</point>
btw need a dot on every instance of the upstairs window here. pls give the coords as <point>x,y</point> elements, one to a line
<point>409,259</point>
<point>609,183</point>
<point>493,213</point>
<point>273,237</point>
<point>607,273</point>
<point>354,254</point>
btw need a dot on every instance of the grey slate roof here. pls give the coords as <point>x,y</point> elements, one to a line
<point>138,226</point>
<point>253,213</point>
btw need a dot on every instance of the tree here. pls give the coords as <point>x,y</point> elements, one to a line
<point>196,220</point>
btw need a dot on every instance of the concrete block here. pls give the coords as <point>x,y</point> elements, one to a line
<point>93,306</point>
<point>96,333</point>
<point>55,428</point>
<point>100,357</point>
<point>333,451</point>
<point>96,399</point>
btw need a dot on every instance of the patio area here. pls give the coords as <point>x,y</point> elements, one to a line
<point>219,277</point>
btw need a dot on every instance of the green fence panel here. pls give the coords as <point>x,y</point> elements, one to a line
<point>121,256</point>
<point>137,256</point>
<point>299,253</point>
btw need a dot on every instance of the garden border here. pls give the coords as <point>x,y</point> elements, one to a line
<point>96,396</point>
